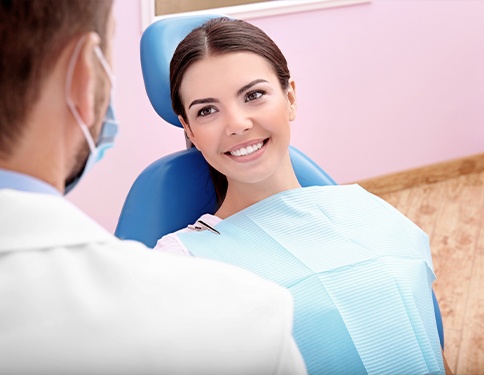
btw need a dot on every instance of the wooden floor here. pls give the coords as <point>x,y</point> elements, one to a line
<point>451,212</point>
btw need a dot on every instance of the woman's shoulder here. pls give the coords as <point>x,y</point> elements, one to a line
<point>347,193</point>
<point>354,203</point>
<point>171,243</point>
<point>209,219</point>
<point>339,196</point>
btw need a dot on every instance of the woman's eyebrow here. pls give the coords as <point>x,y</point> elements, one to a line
<point>249,85</point>
<point>239,92</point>
<point>203,101</point>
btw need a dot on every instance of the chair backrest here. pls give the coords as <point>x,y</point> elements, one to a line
<point>176,190</point>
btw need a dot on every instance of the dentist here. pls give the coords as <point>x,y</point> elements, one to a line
<point>73,298</point>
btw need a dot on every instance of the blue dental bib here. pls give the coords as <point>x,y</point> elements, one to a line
<point>360,274</point>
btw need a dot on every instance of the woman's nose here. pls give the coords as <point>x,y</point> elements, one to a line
<point>237,122</point>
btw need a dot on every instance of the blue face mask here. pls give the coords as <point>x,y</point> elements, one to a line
<point>109,128</point>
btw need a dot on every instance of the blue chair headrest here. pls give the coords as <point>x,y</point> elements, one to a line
<point>158,43</point>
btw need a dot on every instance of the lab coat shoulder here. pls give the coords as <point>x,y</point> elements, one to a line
<point>76,299</point>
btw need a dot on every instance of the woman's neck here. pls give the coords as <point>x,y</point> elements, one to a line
<point>242,195</point>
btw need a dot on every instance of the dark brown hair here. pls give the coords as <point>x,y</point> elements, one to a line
<point>32,35</point>
<point>216,37</point>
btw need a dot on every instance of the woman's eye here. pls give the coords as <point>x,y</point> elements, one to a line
<point>253,95</point>
<point>205,111</point>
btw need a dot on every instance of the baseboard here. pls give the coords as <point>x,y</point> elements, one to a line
<point>424,175</point>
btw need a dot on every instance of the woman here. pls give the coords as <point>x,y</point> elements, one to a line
<point>359,271</point>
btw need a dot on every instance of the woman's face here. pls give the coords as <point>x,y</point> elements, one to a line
<point>238,115</point>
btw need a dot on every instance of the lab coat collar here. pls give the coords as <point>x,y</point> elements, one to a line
<point>36,221</point>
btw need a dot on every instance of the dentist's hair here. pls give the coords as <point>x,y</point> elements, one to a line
<point>33,34</point>
<point>220,36</point>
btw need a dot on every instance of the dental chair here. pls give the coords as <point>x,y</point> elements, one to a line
<point>177,189</point>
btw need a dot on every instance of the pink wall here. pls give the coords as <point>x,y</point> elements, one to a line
<point>382,87</point>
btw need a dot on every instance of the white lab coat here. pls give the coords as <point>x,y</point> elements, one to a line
<point>74,299</point>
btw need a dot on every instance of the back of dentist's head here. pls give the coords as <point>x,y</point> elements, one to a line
<point>33,33</point>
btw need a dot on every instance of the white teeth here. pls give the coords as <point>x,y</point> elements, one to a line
<point>246,150</point>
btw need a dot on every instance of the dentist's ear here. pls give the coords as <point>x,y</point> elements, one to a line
<point>84,78</point>
<point>188,130</point>
<point>291,97</point>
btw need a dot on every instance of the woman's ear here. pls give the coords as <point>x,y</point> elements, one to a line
<point>291,97</point>
<point>84,79</point>
<point>188,130</point>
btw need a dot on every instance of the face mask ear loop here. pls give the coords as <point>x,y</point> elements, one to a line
<point>105,65</point>
<point>70,104</point>
<point>108,71</point>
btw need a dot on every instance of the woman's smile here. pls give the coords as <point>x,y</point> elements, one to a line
<point>251,148</point>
